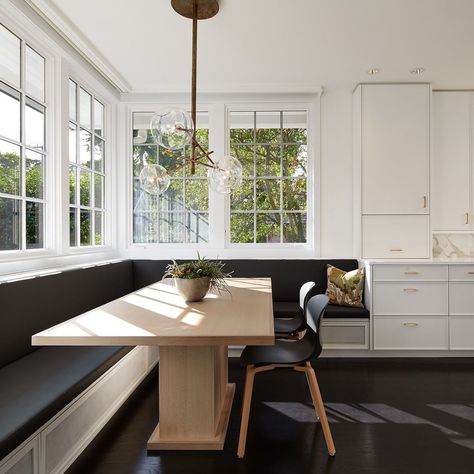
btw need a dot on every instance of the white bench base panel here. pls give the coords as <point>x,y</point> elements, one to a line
<point>55,446</point>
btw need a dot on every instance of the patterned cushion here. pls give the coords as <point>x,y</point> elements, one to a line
<point>345,288</point>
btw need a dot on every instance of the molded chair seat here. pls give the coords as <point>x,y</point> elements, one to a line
<point>288,354</point>
<point>290,325</point>
<point>296,322</point>
<point>283,352</point>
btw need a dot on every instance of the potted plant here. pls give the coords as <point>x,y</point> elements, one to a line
<point>194,279</point>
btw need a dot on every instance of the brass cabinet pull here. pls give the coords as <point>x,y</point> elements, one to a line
<point>425,202</point>
<point>470,273</point>
<point>410,325</point>
<point>410,290</point>
<point>466,218</point>
<point>411,273</point>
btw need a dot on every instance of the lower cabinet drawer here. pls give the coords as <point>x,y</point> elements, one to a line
<point>414,333</point>
<point>410,298</point>
<point>461,332</point>
<point>461,298</point>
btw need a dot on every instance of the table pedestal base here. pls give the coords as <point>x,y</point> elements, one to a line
<point>195,398</point>
<point>212,444</point>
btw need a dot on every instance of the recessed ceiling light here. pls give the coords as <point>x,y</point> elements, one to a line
<point>418,70</point>
<point>373,71</point>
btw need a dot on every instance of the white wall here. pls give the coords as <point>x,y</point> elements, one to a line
<point>336,172</point>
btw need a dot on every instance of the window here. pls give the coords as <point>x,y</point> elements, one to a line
<point>23,153</point>
<point>271,212</point>
<point>271,204</point>
<point>181,214</point>
<point>87,168</point>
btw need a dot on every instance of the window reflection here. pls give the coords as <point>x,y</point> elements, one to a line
<point>34,174</point>
<point>10,113</point>
<point>34,225</point>
<point>85,148</point>
<point>10,54</point>
<point>85,109</point>
<point>34,125</point>
<point>10,230</point>
<point>34,74</point>
<point>10,176</point>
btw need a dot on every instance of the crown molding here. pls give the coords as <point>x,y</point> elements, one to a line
<point>60,23</point>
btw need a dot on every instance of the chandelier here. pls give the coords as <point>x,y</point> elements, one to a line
<point>176,128</point>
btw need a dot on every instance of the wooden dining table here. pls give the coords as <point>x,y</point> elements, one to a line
<point>195,397</point>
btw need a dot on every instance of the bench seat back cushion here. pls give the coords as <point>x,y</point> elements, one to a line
<point>287,275</point>
<point>39,385</point>
<point>30,306</point>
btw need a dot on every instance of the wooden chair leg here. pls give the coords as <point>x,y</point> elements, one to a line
<point>311,393</point>
<point>247,400</point>
<point>319,407</point>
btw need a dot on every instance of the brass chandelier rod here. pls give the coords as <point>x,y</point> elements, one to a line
<point>195,10</point>
<point>193,87</point>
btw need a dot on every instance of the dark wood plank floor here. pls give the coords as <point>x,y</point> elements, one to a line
<point>388,416</point>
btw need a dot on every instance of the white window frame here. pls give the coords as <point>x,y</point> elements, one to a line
<point>93,86</point>
<point>310,187</point>
<point>60,64</point>
<point>37,41</point>
<point>105,173</point>
<point>218,107</point>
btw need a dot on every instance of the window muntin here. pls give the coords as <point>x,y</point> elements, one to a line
<point>87,168</point>
<point>23,154</point>
<point>181,214</point>
<point>271,204</point>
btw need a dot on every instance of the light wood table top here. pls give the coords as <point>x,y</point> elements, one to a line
<point>157,315</point>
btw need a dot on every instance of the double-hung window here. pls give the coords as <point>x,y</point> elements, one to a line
<point>87,168</point>
<point>271,204</point>
<point>181,214</point>
<point>273,207</point>
<point>23,152</point>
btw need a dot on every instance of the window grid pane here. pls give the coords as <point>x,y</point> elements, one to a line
<point>271,204</point>
<point>181,214</point>
<point>23,157</point>
<point>87,170</point>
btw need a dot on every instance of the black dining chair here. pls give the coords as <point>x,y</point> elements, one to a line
<point>288,354</point>
<point>285,327</point>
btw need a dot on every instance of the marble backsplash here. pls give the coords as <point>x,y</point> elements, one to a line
<point>453,246</point>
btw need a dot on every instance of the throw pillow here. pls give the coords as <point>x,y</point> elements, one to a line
<point>345,288</point>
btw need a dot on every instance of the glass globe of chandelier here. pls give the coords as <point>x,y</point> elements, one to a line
<point>176,128</point>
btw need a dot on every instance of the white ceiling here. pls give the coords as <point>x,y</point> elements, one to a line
<point>282,44</point>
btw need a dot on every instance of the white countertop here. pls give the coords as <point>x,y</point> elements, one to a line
<point>425,261</point>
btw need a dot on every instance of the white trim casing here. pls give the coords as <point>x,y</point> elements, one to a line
<point>217,105</point>
<point>61,61</point>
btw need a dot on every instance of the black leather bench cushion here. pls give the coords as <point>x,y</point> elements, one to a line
<point>286,309</point>
<point>36,387</point>
<point>30,306</point>
<point>287,275</point>
<point>335,311</point>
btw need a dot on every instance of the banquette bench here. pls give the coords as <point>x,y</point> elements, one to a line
<point>53,400</point>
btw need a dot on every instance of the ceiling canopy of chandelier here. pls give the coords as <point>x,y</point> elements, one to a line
<point>176,128</point>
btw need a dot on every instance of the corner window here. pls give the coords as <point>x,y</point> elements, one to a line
<point>87,168</point>
<point>23,151</point>
<point>271,204</point>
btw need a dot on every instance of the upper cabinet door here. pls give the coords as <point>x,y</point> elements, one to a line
<point>395,148</point>
<point>452,119</point>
